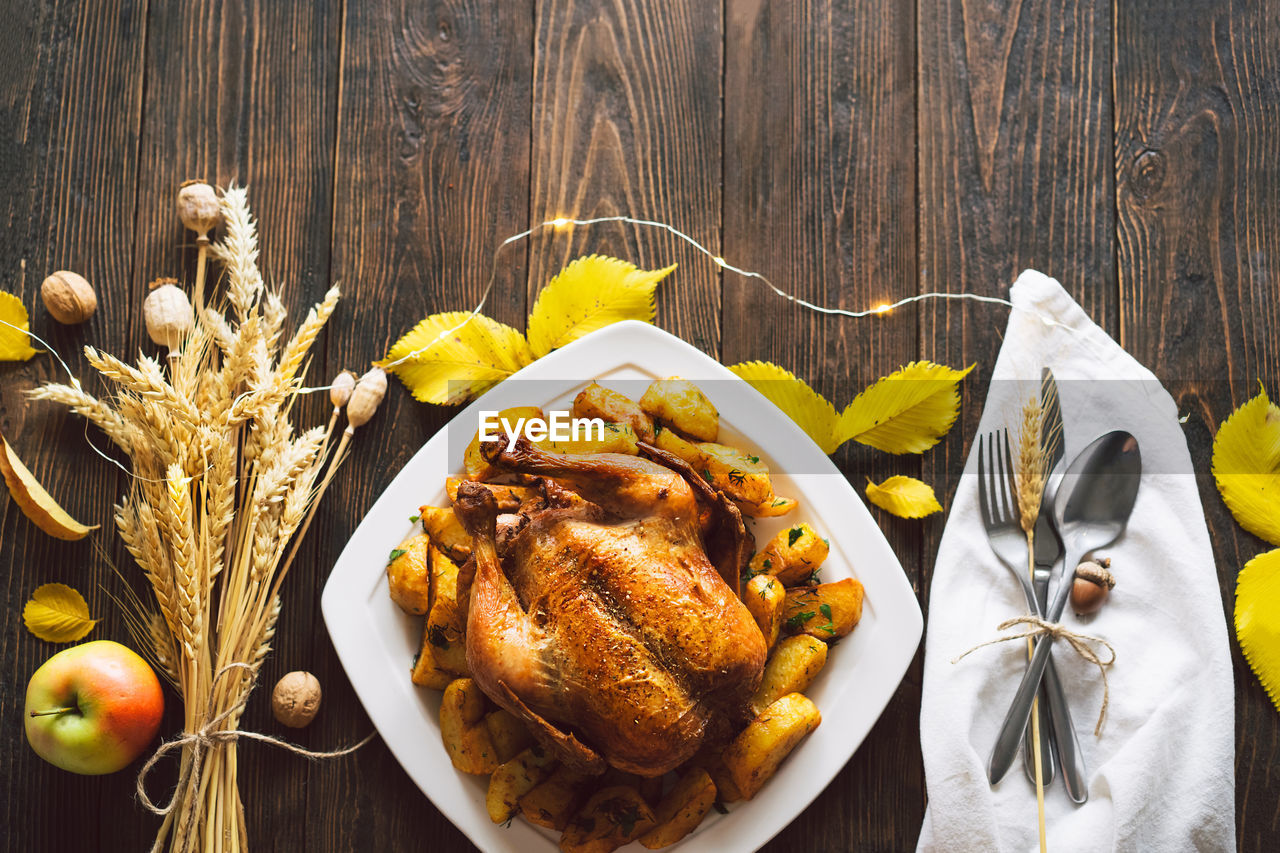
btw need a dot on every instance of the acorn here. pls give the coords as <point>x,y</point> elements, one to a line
<point>1091,586</point>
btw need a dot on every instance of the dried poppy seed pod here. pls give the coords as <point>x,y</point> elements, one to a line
<point>341,387</point>
<point>168,313</point>
<point>365,398</point>
<point>199,208</point>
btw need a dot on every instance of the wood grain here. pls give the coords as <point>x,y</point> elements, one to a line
<point>820,196</point>
<point>1014,123</point>
<point>70,109</point>
<point>626,120</point>
<point>433,172</point>
<point>1197,98</point>
<point>853,151</point>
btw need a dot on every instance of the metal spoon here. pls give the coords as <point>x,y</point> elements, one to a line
<point>1099,488</point>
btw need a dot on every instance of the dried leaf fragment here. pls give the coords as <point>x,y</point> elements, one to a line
<point>905,497</point>
<point>15,343</point>
<point>57,613</point>
<point>1257,619</point>
<point>1246,466</point>
<point>35,503</point>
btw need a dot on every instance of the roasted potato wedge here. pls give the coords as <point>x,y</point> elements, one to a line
<point>597,401</point>
<point>447,619</point>
<point>682,809</point>
<point>552,802</point>
<point>509,734</point>
<point>826,611</point>
<point>726,789</point>
<point>792,556</point>
<point>764,598</point>
<point>754,756</point>
<point>680,404</point>
<point>446,531</point>
<point>409,575</point>
<point>509,498</point>
<point>515,778</point>
<point>612,817</point>
<point>740,475</point>
<point>791,668</point>
<point>466,737</point>
<point>772,508</point>
<point>426,673</point>
<point>476,466</point>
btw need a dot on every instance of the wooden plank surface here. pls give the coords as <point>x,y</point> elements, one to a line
<point>820,196</point>
<point>70,112</point>
<point>855,152</point>
<point>1197,102</point>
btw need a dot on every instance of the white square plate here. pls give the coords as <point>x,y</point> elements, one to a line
<point>376,642</point>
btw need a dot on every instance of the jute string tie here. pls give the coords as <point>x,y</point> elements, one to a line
<point>207,736</point>
<point>1084,645</point>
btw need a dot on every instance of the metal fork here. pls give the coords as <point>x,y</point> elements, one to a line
<point>997,500</point>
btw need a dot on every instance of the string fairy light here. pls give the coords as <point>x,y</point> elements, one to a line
<point>561,222</point>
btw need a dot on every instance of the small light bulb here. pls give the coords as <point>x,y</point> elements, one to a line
<point>883,308</point>
<point>559,222</point>
<point>719,261</point>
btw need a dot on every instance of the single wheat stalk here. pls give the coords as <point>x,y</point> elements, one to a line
<point>1031,471</point>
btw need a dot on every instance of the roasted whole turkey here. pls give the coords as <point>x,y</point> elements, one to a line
<point>606,615</point>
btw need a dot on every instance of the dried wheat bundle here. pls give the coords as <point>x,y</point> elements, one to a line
<point>223,480</point>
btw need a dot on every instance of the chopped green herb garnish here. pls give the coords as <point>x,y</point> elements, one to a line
<point>796,622</point>
<point>768,563</point>
<point>825,610</point>
<point>737,477</point>
<point>794,534</point>
<point>396,554</point>
<point>414,518</point>
<point>755,460</point>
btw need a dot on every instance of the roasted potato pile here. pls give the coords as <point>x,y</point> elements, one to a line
<point>429,575</point>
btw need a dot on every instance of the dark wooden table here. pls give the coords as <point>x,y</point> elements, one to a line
<point>857,152</point>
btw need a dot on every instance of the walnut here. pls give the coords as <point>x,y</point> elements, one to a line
<point>296,699</point>
<point>68,297</point>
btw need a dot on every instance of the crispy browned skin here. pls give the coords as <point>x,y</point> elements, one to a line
<point>604,625</point>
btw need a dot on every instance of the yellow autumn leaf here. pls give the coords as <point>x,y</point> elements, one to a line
<point>15,343</point>
<point>907,411</point>
<point>58,614</point>
<point>454,356</point>
<point>1246,466</point>
<point>1258,619</point>
<point>589,294</point>
<point>809,409</point>
<point>905,497</point>
<point>35,503</point>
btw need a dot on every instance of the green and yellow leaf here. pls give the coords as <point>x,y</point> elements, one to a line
<point>456,355</point>
<point>15,343</point>
<point>589,294</point>
<point>809,409</point>
<point>1258,619</point>
<point>905,497</point>
<point>1246,466</point>
<point>58,614</point>
<point>907,411</point>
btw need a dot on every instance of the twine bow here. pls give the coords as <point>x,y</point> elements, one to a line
<point>205,737</point>
<point>1079,642</point>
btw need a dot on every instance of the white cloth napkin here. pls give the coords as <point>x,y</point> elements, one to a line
<point>1161,776</point>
